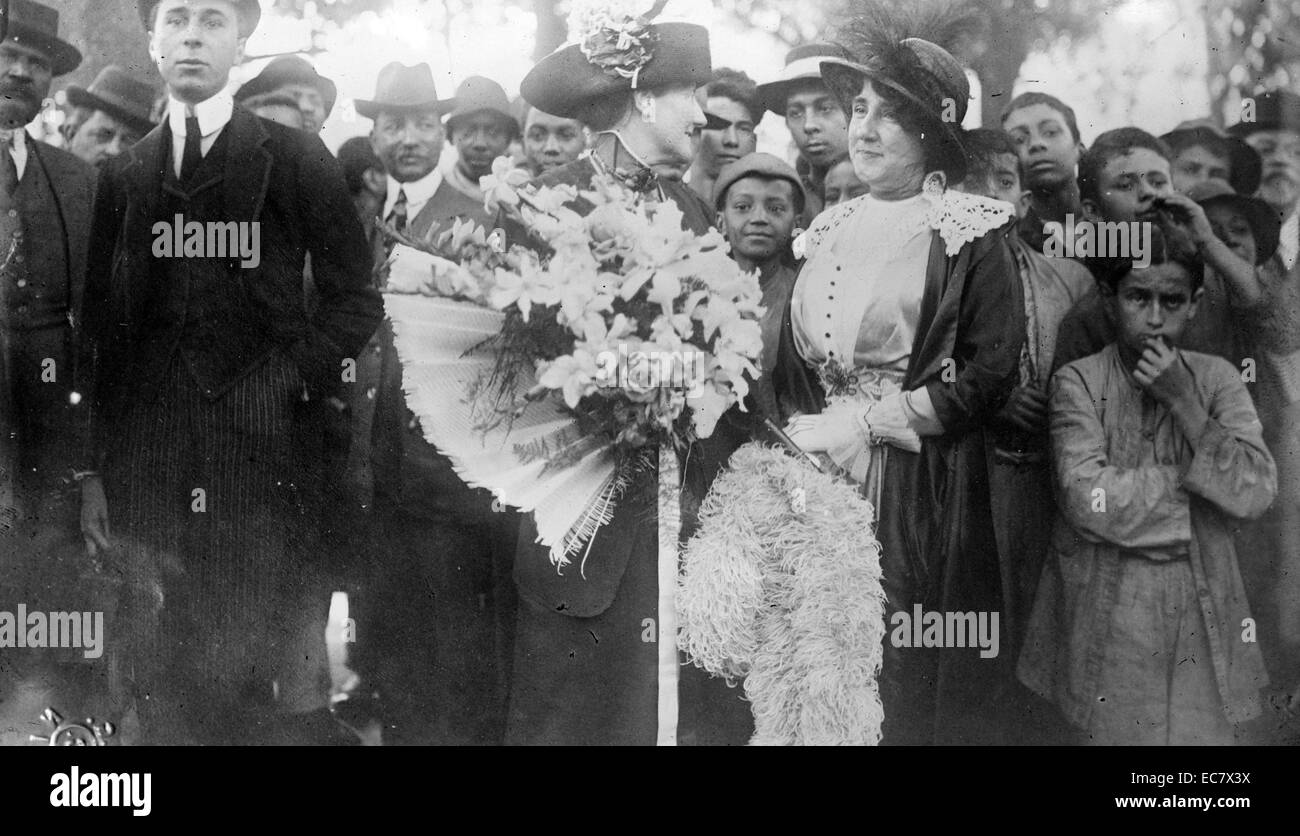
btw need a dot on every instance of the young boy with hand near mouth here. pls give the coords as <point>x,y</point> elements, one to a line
<point>1137,627</point>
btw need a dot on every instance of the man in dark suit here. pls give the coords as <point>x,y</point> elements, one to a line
<point>45,197</point>
<point>436,622</point>
<point>205,361</point>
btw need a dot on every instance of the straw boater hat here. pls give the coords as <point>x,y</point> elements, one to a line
<point>126,99</point>
<point>403,88</point>
<point>617,54</point>
<point>923,73</point>
<point>250,12</point>
<point>289,69</point>
<point>37,26</point>
<point>802,65</point>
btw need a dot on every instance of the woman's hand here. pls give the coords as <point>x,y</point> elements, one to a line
<point>824,432</point>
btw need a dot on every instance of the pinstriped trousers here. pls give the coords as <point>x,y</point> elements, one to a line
<point>207,499</point>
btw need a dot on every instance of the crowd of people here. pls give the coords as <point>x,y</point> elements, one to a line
<point>1102,449</point>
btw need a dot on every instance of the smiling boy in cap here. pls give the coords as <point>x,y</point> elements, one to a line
<point>759,199</point>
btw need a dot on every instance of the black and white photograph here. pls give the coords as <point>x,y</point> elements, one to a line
<point>650,373</point>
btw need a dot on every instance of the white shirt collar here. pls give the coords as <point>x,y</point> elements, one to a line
<point>213,113</point>
<point>418,192</point>
<point>18,150</point>
<point>19,138</point>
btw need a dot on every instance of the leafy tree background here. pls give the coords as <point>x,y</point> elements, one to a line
<point>1250,43</point>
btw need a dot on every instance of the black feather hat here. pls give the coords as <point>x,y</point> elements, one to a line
<point>892,49</point>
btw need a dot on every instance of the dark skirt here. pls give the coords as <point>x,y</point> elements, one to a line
<point>593,678</point>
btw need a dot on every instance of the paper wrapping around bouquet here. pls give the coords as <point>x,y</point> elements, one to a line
<point>439,342</point>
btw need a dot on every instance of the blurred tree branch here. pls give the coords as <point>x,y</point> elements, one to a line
<point>1252,45</point>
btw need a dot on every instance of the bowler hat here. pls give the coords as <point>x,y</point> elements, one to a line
<point>289,69</point>
<point>477,94</point>
<point>37,26</point>
<point>1244,162</point>
<point>404,88</point>
<point>757,164</point>
<point>128,100</point>
<point>1263,220</point>
<point>1274,110</point>
<point>802,64</point>
<point>926,75</point>
<point>566,82</point>
<point>250,12</point>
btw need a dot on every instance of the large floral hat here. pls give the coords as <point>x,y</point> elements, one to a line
<point>616,49</point>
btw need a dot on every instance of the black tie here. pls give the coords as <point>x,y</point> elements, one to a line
<point>397,217</point>
<point>193,148</point>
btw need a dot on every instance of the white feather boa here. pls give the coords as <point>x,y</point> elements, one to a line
<point>781,586</point>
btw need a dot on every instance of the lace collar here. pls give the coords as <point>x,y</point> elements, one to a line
<point>958,217</point>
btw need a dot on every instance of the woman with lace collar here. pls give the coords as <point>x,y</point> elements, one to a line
<point>901,341</point>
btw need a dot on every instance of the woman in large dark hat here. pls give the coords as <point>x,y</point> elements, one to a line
<point>595,657</point>
<point>902,339</point>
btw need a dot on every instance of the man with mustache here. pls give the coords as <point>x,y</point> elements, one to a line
<point>431,621</point>
<point>46,476</point>
<point>1273,576</point>
<point>204,370</point>
<point>108,117</point>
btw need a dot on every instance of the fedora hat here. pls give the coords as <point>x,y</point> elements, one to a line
<point>404,88</point>
<point>250,12</point>
<point>1263,220</point>
<point>923,73</point>
<point>113,91</point>
<point>37,26</point>
<point>289,69</point>
<point>802,64</point>
<point>567,81</point>
<point>1244,163</point>
<point>477,94</point>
